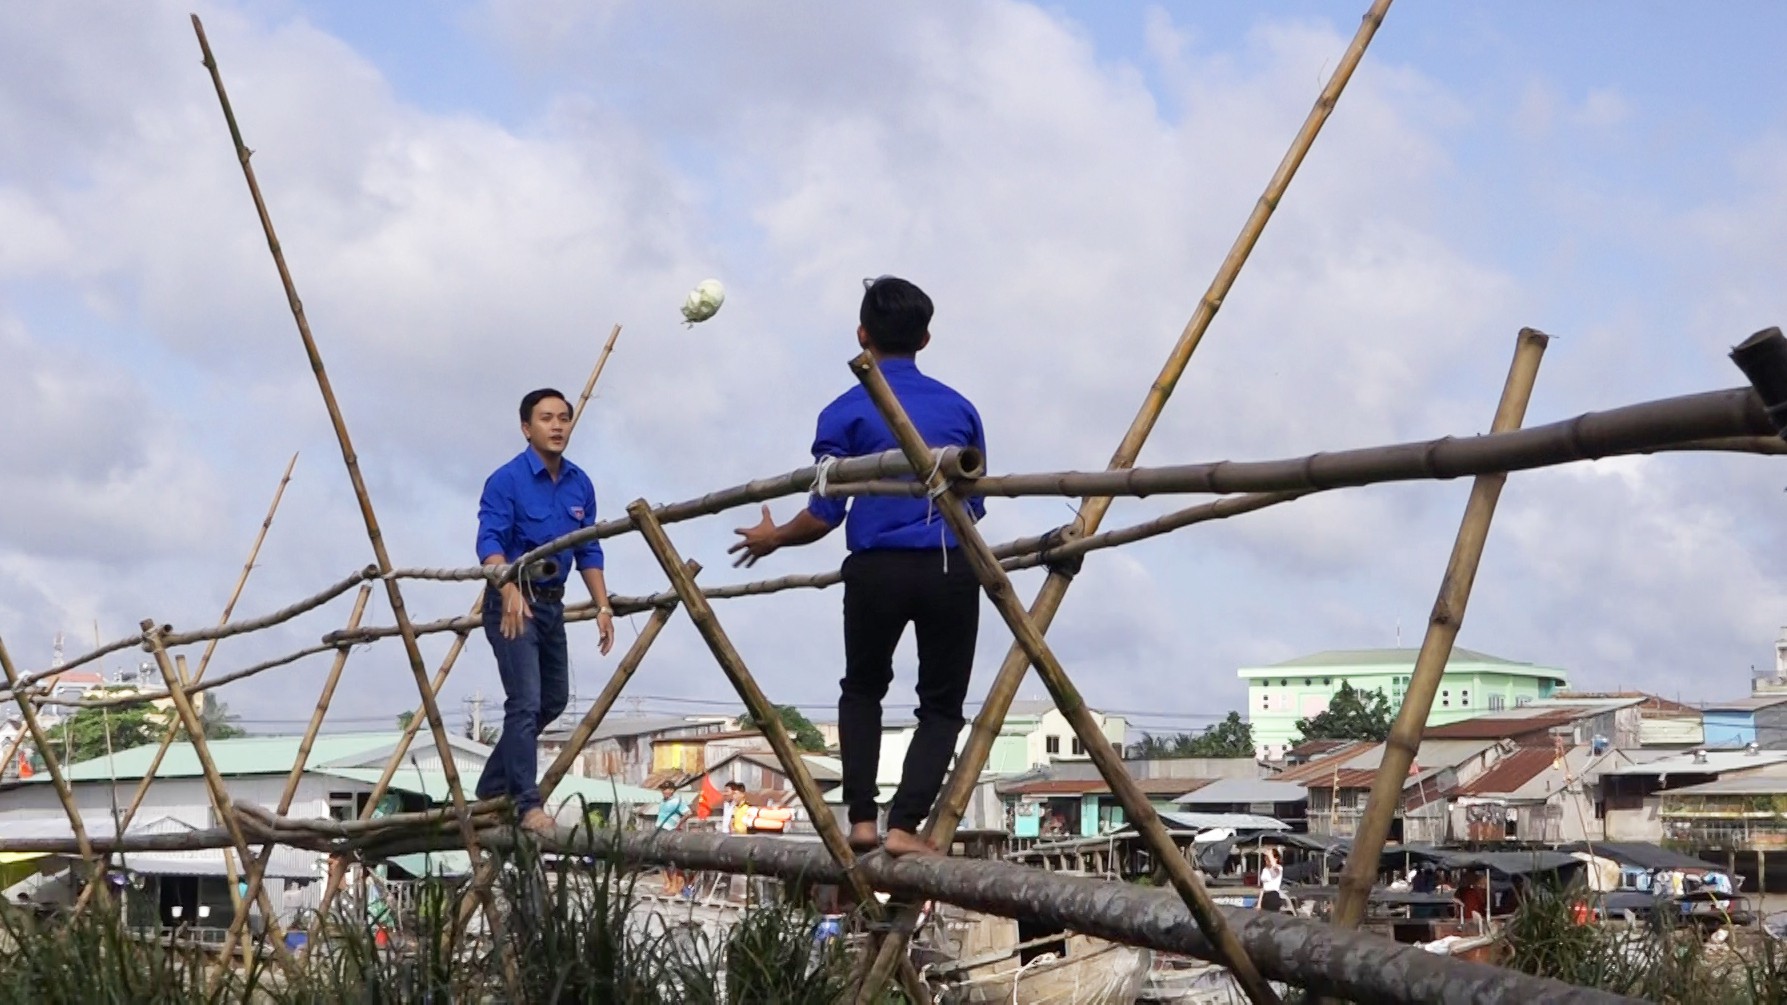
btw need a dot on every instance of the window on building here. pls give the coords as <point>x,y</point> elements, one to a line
<point>1497,703</point>
<point>1051,744</point>
<point>1524,699</point>
<point>1327,682</point>
<point>1265,701</point>
<point>1307,682</point>
<point>1464,699</point>
<point>342,806</point>
<point>1078,747</point>
<point>1284,683</point>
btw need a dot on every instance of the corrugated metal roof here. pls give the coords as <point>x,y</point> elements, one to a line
<point>433,784</point>
<point>1510,773</point>
<point>1378,657</point>
<point>1750,704</point>
<point>1498,726</point>
<point>1243,790</point>
<point>1716,762</point>
<point>1736,785</point>
<point>1188,821</point>
<point>1325,767</point>
<point>248,755</point>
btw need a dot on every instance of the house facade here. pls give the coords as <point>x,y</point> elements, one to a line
<point>1281,693</point>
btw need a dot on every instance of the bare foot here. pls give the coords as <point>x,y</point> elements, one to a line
<point>538,822</point>
<point>864,836</point>
<point>901,843</point>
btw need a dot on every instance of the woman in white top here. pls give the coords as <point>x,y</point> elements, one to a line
<point>1271,883</point>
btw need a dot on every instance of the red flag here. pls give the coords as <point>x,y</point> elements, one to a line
<point>709,800</point>
<point>25,768</point>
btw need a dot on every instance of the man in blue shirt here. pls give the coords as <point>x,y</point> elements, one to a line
<point>904,568</point>
<point>536,497</point>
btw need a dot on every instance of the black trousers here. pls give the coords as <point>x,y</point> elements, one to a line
<point>884,591</point>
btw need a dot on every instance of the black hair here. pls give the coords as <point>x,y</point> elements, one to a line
<point>896,314</point>
<point>532,398</point>
<point>740,786</point>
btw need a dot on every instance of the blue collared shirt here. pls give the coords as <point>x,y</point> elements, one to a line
<point>523,508</point>
<point>851,427</point>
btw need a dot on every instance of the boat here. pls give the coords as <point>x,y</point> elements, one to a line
<point>992,962</point>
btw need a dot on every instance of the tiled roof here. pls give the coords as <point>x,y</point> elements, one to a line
<point>1382,657</point>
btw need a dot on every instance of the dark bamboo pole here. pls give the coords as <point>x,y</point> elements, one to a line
<point>63,793</point>
<point>763,712</point>
<point>258,869</point>
<point>973,757</point>
<point>229,608</point>
<point>1436,647</point>
<point>220,796</point>
<point>993,579</point>
<point>393,594</point>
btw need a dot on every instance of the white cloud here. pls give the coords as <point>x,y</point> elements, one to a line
<point>1064,207</point>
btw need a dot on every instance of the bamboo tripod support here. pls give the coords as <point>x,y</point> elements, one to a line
<point>229,608</point>
<point>959,789</point>
<point>201,749</point>
<point>393,593</point>
<point>64,794</point>
<point>1067,698</point>
<point>258,869</point>
<point>1436,646</point>
<point>763,712</point>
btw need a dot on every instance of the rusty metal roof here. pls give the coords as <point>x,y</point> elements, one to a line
<point>1503,727</point>
<point>1511,772</point>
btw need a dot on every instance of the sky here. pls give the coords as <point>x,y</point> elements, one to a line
<point>470,194</point>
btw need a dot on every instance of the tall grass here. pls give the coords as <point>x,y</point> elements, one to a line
<point>1660,958</point>
<point>574,933</point>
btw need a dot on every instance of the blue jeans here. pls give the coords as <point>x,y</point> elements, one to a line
<point>536,672</point>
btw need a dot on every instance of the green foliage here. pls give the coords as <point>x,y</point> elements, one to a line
<point>570,928</point>
<point>1232,737</point>
<point>1351,715</point>
<point>806,736</point>
<point>82,736</point>
<point>404,719</point>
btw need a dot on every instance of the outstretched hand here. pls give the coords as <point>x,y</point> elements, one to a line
<point>756,542</point>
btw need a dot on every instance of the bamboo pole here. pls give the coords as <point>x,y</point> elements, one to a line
<point>973,757</point>
<point>229,608</point>
<point>257,870</point>
<point>336,876</point>
<point>617,682</point>
<point>1709,416</point>
<point>763,712</point>
<point>463,627</point>
<point>220,796</point>
<point>12,749</point>
<point>1436,647</point>
<point>1109,762</point>
<point>1644,428</point>
<point>63,793</point>
<point>586,727</point>
<point>589,386</point>
<point>1357,965</point>
<point>393,594</point>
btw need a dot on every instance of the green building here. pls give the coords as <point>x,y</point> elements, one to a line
<point>1474,683</point>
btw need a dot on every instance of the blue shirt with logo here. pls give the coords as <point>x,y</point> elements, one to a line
<point>852,427</point>
<point>523,508</point>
